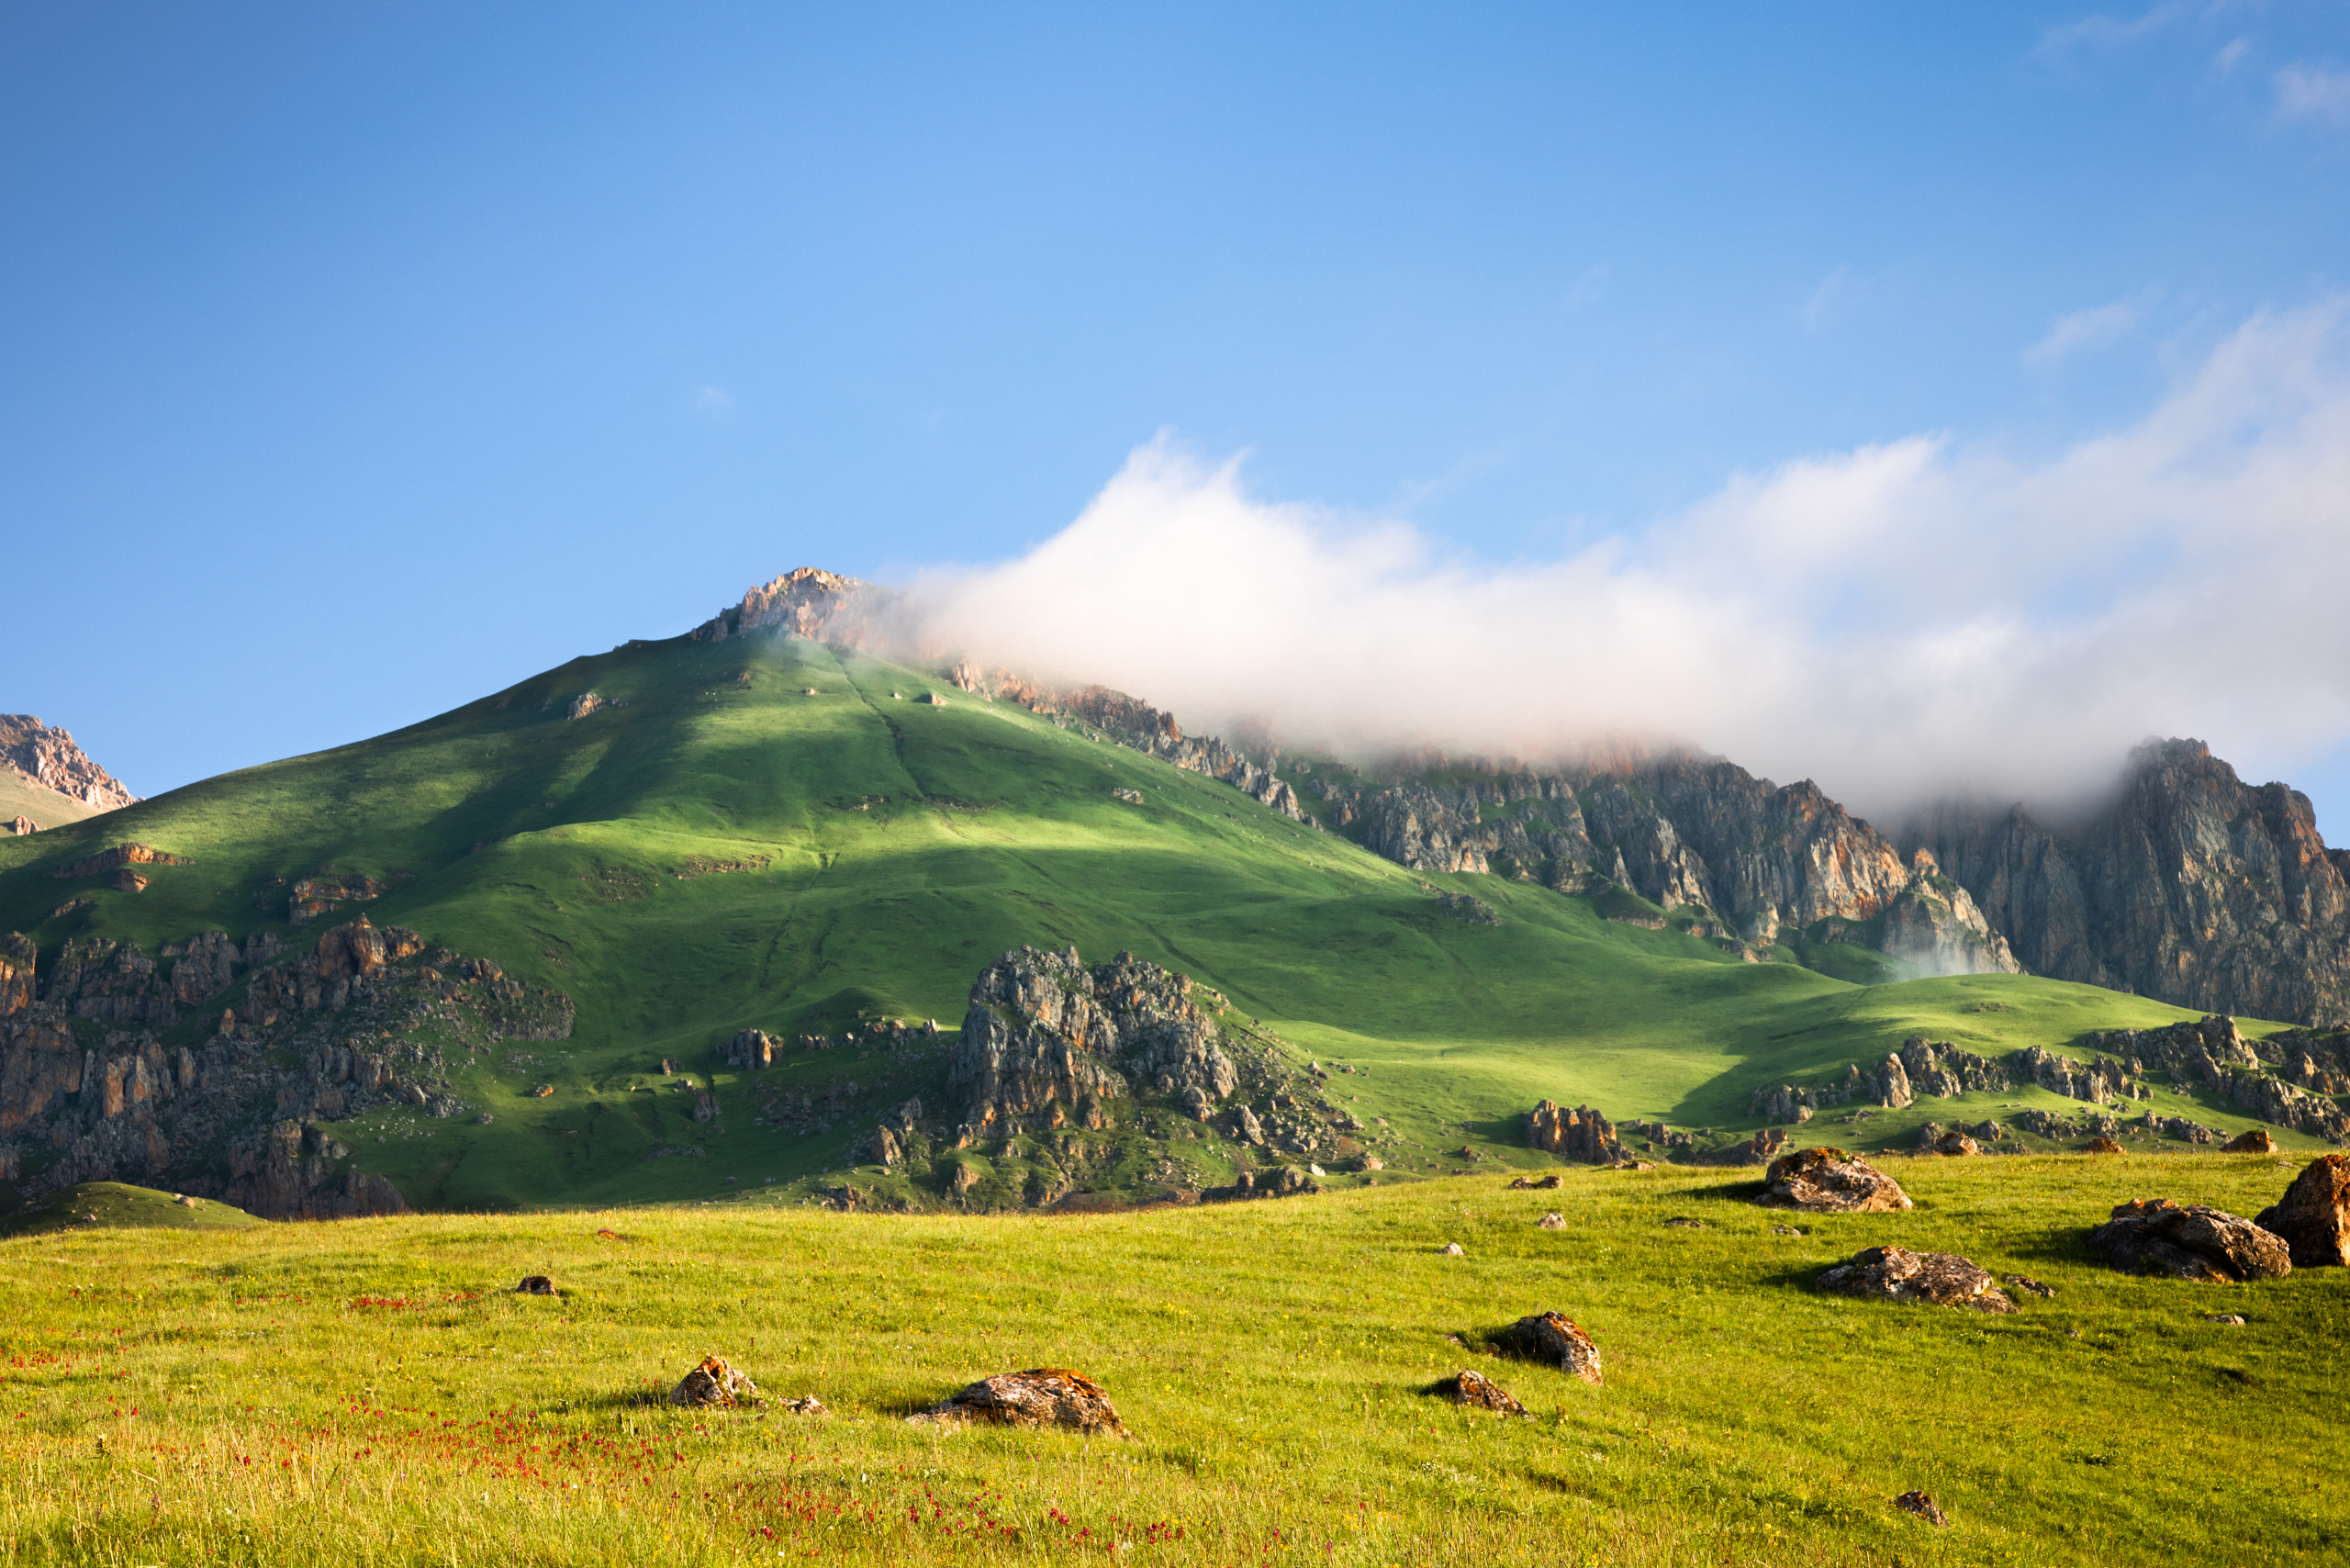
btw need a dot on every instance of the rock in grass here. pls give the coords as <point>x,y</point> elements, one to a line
<point>535,1284</point>
<point>1555,1340</point>
<point>2225,1319</point>
<point>1552,1221</point>
<point>1953,1143</point>
<point>1042,1397</point>
<point>1895,1274</point>
<point>1474,1388</point>
<point>2102,1146</point>
<point>1828,1181</point>
<point>1452,1250</point>
<point>1526,1184</point>
<point>2314,1216</point>
<point>2027,1283</point>
<point>1920,1503</point>
<point>2197,1243</point>
<point>810,1405</point>
<point>714,1382</point>
<point>2256,1141</point>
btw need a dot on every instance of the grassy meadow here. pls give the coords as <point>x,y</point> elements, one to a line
<point>372,1393</point>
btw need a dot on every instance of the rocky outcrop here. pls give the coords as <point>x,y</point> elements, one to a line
<point>89,1092</point>
<point>1556,1340</point>
<point>49,758</point>
<point>810,602</point>
<point>2208,1246</point>
<point>1048,1042</point>
<point>1828,1181</point>
<point>2282,1081</point>
<point>1041,1397</point>
<point>1580,1134</point>
<point>2188,885</point>
<point>1895,1274</point>
<point>2314,1216</point>
<point>107,861</point>
<point>16,960</point>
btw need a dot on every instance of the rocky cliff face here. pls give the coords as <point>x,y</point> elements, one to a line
<point>113,1067</point>
<point>1049,1041</point>
<point>813,603</point>
<point>2190,887</point>
<point>50,759</point>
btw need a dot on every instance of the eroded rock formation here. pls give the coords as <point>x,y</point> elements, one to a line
<point>1828,1181</point>
<point>1895,1274</point>
<point>50,759</point>
<point>1580,1134</point>
<point>2314,1216</point>
<point>2208,1246</point>
<point>1041,1397</point>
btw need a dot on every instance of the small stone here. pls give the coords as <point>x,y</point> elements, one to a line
<point>1917,1503</point>
<point>2026,1282</point>
<point>809,1405</point>
<point>184,1202</point>
<point>1544,1184</point>
<point>1552,1221</point>
<point>1472,1387</point>
<point>484,1119</point>
<point>1042,1397</point>
<point>1895,1274</point>
<point>1682,1222</point>
<point>535,1284</point>
<point>2229,1319</point>
<point>1785,1230</point>
<point>714,1382</point>
<point>1556,1340</point>
<point>1452,1250</point>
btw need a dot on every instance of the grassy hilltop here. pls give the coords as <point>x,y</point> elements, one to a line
<point>713,848</point>
<point>372,1393</point>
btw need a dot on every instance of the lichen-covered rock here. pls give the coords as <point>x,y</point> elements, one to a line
<point>1048,1041</point>
<point>2207,1245</point>
<point>1042,1397</point>
<point>2102,1146</point>
<point>1828,1181</point>
<point>1553,1339</point>
<point>2314,1216</point>
<point>714,1382</point>
<point>1472,1387</point>
<point>1951,1143</point>
<point>2256,1141</point>
<point>1895,1274</point>
<point>1921,1504</point>
<point>1580,1134</point>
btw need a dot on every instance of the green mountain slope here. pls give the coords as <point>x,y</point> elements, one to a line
<point>21,797</point>
<point>712,848</point>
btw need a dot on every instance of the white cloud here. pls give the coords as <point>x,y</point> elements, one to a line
<point>2108,32</point>
<point>715,404</point>
<point>1892,620</point>
<point>1827,298</point>
<point>2231,54</point>
<point>2084,331</point>
<point>2313,93</point>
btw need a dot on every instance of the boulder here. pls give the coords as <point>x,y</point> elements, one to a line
<point>2102,1146</point>
<point>1920,1503</point>
<point>1828,1181</point>
<point>1042,1397</point>
<point>2208,1246</point>
<point>1554,1341</point>
<point>1474,1388</point>
<point>1951,1143</point>
<point>535,1284</point>
<point>714,1382</point>
<point>1452,1250</point>
<point>1580,1134</point>
<point>2256,1141</point>
<point>1523,1184</point>
<point>1895,1274</point>
<point>2314,1216</point>
<point>1552,1221</point>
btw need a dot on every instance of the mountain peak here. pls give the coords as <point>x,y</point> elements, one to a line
<point>49,758</point>
<point>808,601</point>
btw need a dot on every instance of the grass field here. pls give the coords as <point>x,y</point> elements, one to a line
<point>21,797</point>
<point>715,849</point>
<point>372,1393</point>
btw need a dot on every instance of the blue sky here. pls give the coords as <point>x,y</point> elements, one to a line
<point>360,359</point>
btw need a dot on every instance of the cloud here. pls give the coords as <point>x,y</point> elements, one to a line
<point>1896,621</point>
<point>715,404</point>
<point>2313,93</point>
<point>2108,32</point>
<point>2084,331</point>
<point>1827,298</point>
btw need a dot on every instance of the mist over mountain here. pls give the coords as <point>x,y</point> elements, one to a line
<point>1901,622</point>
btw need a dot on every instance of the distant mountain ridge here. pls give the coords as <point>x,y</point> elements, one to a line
<point>49,779</point>
<point>2191,887</point>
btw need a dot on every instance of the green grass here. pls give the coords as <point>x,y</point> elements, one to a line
<point>372,1393</point>
<point>119,1205</point>
<point>21,797</point>
<point>894,847</point>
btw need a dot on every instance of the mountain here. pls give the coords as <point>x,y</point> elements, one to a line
<point>45,779</point>
<point>751,908</point>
